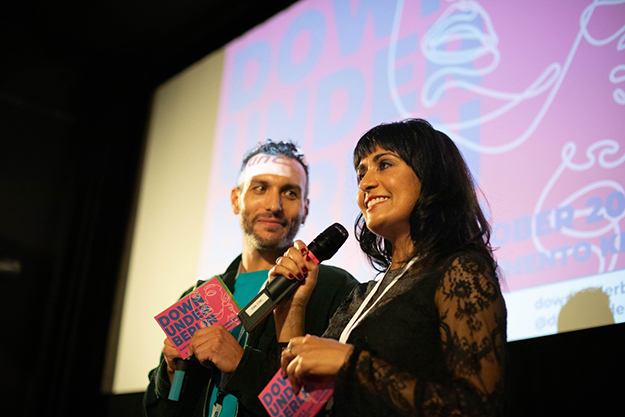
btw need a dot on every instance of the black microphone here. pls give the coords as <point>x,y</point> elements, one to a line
<point>322,248</point>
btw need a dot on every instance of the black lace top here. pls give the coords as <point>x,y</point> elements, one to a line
<point>434,345</point>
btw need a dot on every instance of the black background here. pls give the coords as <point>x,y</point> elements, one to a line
<point>76,80</point>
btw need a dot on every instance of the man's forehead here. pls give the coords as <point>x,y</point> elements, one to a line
<point>263,164</point>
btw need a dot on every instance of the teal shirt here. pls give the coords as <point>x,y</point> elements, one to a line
<point>246,287</point>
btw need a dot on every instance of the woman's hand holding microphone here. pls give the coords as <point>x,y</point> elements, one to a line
<point>307,359</point>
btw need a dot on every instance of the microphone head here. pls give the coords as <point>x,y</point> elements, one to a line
<point>328,242</point>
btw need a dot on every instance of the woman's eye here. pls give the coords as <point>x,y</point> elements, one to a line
<point>384,164</point>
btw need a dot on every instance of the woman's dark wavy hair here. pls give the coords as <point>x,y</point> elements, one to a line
<point>447,217</point>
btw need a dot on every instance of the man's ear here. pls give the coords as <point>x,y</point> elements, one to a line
<point>234,200</point>
<point>306,203</point>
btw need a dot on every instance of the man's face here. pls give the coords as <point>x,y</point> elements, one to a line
<point>271,201</point>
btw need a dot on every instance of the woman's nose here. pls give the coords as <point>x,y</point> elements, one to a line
<point>368,181</point>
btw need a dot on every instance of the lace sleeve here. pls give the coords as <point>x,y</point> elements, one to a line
<point>472,319</point>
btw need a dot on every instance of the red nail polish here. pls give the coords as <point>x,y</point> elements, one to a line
<point>304,270</point>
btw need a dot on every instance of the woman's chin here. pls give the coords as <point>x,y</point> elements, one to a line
<point>379,228</point>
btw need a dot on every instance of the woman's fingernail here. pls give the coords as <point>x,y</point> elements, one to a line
<point>307,258</point>
<point>304,270</point>
<point>291,276</point>
<point>300,276</point>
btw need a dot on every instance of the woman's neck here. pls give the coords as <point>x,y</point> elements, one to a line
<point>402,252</point>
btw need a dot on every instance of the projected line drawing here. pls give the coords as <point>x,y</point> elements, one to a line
<point>603,154</point>
<point>617,74</point>
<point>460,22</point>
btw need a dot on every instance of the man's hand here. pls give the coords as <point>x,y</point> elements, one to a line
<point>171,356</point>
<point>215,345</point>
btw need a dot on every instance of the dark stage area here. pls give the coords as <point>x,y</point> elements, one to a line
<point>76,81</point>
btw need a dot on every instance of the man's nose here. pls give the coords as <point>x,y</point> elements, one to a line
<point>274,203</point>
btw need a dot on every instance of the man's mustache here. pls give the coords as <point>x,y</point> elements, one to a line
<point>279,218</point>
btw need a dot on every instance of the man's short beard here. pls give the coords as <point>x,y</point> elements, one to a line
<point>269,244</point>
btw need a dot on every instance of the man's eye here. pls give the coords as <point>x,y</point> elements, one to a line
<point>291,194</point>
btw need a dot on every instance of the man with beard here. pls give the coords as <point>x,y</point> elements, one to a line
<point>229,369</point>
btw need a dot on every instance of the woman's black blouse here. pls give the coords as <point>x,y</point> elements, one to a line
<point>434,345</point>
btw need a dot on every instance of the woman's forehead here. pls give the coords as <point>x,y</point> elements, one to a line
<point>368,151</point>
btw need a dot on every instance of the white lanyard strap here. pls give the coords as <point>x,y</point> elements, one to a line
<point>357,318</point>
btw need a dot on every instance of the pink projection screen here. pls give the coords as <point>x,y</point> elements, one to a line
<point>531,91</point>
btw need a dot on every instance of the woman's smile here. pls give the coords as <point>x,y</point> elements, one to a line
<point>374,200</point>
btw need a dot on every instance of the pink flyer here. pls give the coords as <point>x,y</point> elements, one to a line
<point>280,400</point>
<point>209,304</point>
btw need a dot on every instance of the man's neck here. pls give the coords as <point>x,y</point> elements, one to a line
<point>253,260</point>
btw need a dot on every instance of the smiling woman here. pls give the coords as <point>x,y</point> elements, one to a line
<point>444,214</point>
<point>388,189</point>
<point>428,338</point>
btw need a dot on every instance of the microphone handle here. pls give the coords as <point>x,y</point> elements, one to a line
<point>266,301</point>
<point>280,287</point>
<point>322,248</point>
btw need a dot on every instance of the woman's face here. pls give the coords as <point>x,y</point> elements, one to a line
<point>388,189</point>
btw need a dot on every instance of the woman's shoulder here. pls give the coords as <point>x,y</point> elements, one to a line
<point>468,272</point>
<point>357,295</point>
<point>469,260</point>
<point>462,266</point>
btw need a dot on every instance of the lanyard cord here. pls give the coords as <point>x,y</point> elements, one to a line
<point>357,318</point>
<point>221,394</point>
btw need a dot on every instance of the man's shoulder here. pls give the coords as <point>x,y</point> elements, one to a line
<point>228,275</point>
<point>333,270</point>
<point>334,274</point>
<point>333,286</point>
